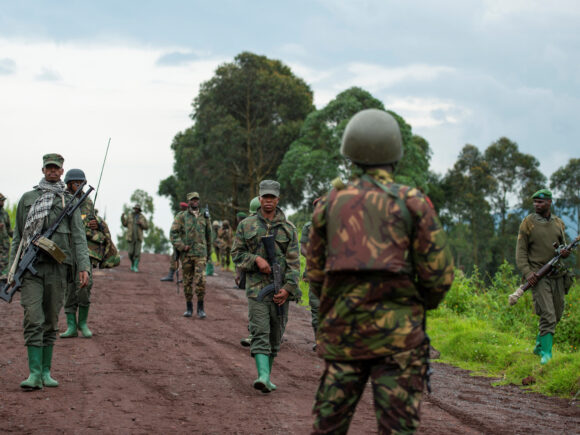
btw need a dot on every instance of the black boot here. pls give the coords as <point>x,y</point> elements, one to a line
<point>189,311</point>
<point>200,312</point>
<point>169,276</point>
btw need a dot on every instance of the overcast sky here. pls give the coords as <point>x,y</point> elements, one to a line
<point>74,73</point>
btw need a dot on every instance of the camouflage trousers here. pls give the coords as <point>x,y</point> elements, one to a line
<point>225,256</point>
<point>314,303</point>
<point>397,383</point>
<point>134,250</point>
<point>4,257</point>
<point>548,295</point>
<point>193,269</point>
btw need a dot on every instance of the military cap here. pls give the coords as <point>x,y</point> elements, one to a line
<point>137,207</point>
<point>74,175</point>
<point>215,224</point>
<point>2,197</point>
<point>254,204</point>
<point>192,195</point>
<point>241,215</point>
<point>269,187</point>
<point>183,205</point>
<point>52,159</point>
<point>542,194</point>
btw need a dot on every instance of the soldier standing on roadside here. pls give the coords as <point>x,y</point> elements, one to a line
<point>225,236</point>
<point>313,300</point>
<point>5,234</point>
<point>538,231</point>
<point>250,255</point>
<point>174,261</point>
<point>191,236</point>
<point>135,224</point>
<point>377,258</point>
<point>42,294</point>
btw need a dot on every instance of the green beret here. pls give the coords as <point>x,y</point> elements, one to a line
<point>270,187</point>
<point>241,215</point>
<point>52,159</point>
<point>542,194</point>
<point>192,195</point>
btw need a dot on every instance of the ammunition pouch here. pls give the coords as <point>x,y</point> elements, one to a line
<point>50,248</point>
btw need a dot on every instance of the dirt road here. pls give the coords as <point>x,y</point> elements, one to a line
<point>149,370</point>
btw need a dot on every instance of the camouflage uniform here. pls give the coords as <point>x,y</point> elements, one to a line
<point>265,325</point>
<point>191,228</point>
<point>216,243</point>
<point>377,259</point>
<point>225,237</point>
<point>5,235</point>
<point>135,225</point>
<point>313,300</point>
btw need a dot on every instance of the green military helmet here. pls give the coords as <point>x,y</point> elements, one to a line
<point>74,175</point>
<point>372,137</point>
<point>254,204</point>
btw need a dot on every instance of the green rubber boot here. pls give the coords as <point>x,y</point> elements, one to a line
<point>263,366</point>
<point>270,384</point>
<point>46,364</point>
<point>546,351</point>
<point>71,326</point>
<point>34,381</point>
<point>538,348</point>
<point>209,268</point>
<point>83,315</point>
<point>136,265</point>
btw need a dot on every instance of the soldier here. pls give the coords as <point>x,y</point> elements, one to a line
<point>225,236</point>
<point>377,259</point>
<point>215,240</point>
<point>5,234</point>
<point>135,225</point>
<point>42,294</point>
<point>538,231</point>
<point>191,236</point>
<point>250,255</point>
<point>174,261</point>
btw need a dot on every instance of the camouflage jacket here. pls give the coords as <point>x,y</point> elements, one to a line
<point>535,238</point>
<point>193,230</point>
<point>247,246</point>
<point>225,236</point>
<point>130,221</point>
<point>376,259</point>
<point>5,229</point>
<point>70,235</point>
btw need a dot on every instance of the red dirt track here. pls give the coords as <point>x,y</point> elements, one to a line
<point>149,370</point>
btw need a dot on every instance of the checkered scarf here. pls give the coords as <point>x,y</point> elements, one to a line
<point>40,209</point>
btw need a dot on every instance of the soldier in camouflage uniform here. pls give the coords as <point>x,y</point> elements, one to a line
<point>249,254</point>
<point>5,235</point>
<point>135,224</point>
<point>377,258</point>
<point>174,260</point>
<point>42,294</point>
<point>225,237</point>
<point>216,243</point>
<point>313,300</point>
<point>191,236</point>
<point>538,231</point>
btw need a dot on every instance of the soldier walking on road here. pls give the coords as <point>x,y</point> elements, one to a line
<point>42,294</point>
<point>377,258</point>
<point>191,236</point>
<point>249,254</point>
<point>5,235</point>
<point>135,224</point>
<point>174,261</point>
<point>538,231</point>
<point>225,237</point>
<point>313,300</point>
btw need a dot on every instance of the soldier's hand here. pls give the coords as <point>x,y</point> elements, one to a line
<point>532,279</point>
<point>263,265</point>
<point>84,278</point>
<point>564,253</point>
<point>185,248</point>
<point>281,297</point>
<point>93,224</point>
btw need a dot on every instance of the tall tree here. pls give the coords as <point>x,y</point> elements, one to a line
<point>245,119</point>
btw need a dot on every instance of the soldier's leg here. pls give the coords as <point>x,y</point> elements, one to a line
<point>188,268</point>
<point>70,309</point>
<point>277,327</point>
<point>131,252</point>
<point>137,254</point>
<point>199,279</point>
<point>4,256</point>
<point>544,305</point>
<point>84,304</point>
<point>56,280</point>
<point>32,293</point>
<point>314,303</point>
<point>397,391</point>
<point>259,319</point>
<point>558,297</point>
<point>340,389</point>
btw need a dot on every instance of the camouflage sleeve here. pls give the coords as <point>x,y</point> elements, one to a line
<point>8,226</point>
<point>143,222</point>
<point>124,220</point>
<point>522,259</point>
<point>241,255</point>
<point>431,254</point>
<point>175,233</point>
<point>79,240</point>
<point>316,251</point>
<point>292,275</point>
<point>208,237</point>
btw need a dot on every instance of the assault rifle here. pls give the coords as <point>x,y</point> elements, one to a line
<point>547,269</point>
<point>41,241</point>
<point>270,247</point>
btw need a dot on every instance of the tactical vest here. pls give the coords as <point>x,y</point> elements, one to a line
<point>369,228</point>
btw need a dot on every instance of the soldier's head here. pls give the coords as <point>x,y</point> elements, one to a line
<point>269,195</point>
<point>137,208</point>
<point>2,199</point>
<point>215,224</point>
<point>254,205</point>
<point>542,201</point>
<point>183,206</point>
<point>226,224</point>
<point>240,216</point>
<point>372,138</point>
<point>52,167</point>
<point>193,200</point>
<point>73,179</point>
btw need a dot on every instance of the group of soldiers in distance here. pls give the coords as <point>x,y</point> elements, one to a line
<point>377,259</point>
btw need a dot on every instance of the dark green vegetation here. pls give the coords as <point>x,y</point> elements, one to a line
<point>154,240</point>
